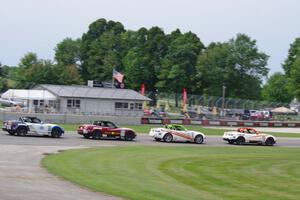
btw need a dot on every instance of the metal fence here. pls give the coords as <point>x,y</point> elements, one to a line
<point>172,103</point>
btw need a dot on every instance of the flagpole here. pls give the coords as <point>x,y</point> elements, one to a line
<point>112,78</point>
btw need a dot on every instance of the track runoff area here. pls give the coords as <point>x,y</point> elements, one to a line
<point>146,169</point>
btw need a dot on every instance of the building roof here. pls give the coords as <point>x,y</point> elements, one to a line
<point>81,91</point>
<point>28,94</point>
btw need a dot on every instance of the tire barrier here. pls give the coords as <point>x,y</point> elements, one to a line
<point>239,123</point>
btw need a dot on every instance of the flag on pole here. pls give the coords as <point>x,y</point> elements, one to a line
<point>143,89</point>
<point>118,76</point>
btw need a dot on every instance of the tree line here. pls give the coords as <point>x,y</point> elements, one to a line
<point>163,62</point>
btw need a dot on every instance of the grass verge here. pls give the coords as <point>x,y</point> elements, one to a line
<point>148,173</point>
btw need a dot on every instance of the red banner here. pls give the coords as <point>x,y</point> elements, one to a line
<point>143,89</point>
<point>184,97</point>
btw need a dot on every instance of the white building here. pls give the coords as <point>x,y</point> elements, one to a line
<point>77,99</point>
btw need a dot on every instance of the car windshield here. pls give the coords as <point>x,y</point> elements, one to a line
<point>105,124</point>
<point>176,127</point>
<point>30,120</point>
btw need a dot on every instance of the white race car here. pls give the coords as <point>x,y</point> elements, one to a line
<point>248,135</point>
<point>175,132</point>
<point>32,126</point>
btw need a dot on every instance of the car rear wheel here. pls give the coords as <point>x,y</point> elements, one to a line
<point>96,135</point>
<point>11,132</point>
<point>270,141</point>
<point>230,141</point>
<point>240,141</point>
<point>22,131</point>
<point>87,135</point>
<point>56,133</point>
<point>168,137</point>
<point>198,139</point>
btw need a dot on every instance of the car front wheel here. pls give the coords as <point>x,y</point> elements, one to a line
<point>198,139</point>
<point>168,137</point>
<point>270,142</point>
<point>56,133</point>
<point>129,136</point>
<point>240,141</point>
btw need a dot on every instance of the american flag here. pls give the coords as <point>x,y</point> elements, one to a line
<point>118,76</point>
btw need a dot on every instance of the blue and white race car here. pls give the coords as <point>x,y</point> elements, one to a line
<point>32,126</point>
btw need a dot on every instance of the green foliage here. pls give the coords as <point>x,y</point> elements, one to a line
<point>101,50</point>
<point>178,66</point>
<point>295,77</point>
<point>67,52</point>
<point>143,61</point>
<point>293,53</point>
<point>33,71</point>
<point>276,89</point>
<point>229,63</point>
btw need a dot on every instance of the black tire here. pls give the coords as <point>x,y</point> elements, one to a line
<point>198,139</point>
<point>11,132</point>
<point>96,135</point>
<point>87,135</point>
<point>22,131</point>
<point>270,141</point>
<point>56,133</point>
<point>240,141</point>
<point>157,139</point>
<point>230,141</point>
<point>129,136</point>
<point>168,137</point>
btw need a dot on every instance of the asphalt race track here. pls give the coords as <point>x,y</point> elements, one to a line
<point>23,178</point>
<point>71,139</point>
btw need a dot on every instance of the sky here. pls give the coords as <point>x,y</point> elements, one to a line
<point>38,26</point>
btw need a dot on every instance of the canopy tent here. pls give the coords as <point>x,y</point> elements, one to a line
<point>17,94</point>
<point>282,110</point>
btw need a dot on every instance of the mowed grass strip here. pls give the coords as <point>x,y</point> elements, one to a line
<point>144,129</point>
<point>138,172</point>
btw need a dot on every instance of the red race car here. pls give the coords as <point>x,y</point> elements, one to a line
<point>105,129</point>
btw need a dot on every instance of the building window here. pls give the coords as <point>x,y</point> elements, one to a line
<point>131,106</point>
<point>41,102</point>
<point>35,102</point>
<point>73,103</point>
<point>121,105</point>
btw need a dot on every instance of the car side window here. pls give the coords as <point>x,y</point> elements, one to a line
<point>28,120</point>
<point>36,121</point>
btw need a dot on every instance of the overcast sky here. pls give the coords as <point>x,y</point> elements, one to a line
<point>38,25</point>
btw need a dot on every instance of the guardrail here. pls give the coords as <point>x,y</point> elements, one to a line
<point>239,123</point>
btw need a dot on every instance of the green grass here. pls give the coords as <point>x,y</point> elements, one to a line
<point>147,173</point>
<point>205,130</point>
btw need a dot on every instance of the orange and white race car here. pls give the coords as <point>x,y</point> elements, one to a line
<point>176,132</point>
<point>248,135</point>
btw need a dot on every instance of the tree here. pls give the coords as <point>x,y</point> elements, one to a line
<point>229,63</point>
<point>178,66</point>
<point>276,89</point>
<point>293,53</point>
<point>32,71</point>
<point>295,77</point>
<point>67,52</point>
<point>101,50</point>
<point>143,60</point>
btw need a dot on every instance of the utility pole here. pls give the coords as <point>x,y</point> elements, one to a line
<point>223,101</point>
